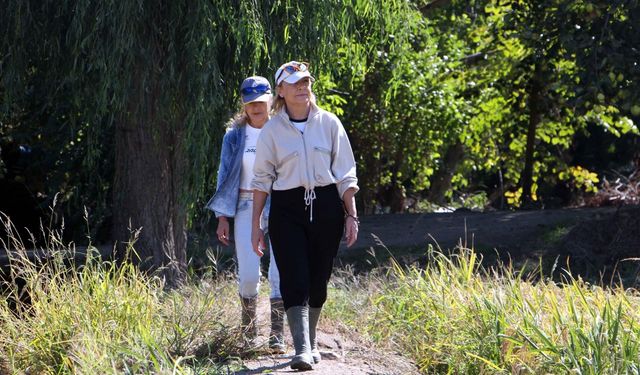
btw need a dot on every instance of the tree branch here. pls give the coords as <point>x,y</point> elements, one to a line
<point>477,57</point>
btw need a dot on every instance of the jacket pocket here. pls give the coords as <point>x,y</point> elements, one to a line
<point>322,165</point>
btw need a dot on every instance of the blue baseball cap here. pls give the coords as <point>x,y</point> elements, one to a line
<point>255,89</point>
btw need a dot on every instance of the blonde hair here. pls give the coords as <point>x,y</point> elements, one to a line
<point>279,103</point>
<point>241,117</point>
<point>238,119</point>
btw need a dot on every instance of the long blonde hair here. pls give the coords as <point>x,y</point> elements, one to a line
<point>238,119</point>
<point>241,117</point>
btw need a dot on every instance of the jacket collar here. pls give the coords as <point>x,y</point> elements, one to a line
<point>313,112</point>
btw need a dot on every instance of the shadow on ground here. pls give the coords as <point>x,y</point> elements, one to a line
<point>599,244</point>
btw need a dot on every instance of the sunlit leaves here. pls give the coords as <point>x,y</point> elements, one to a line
<point>580,178</point>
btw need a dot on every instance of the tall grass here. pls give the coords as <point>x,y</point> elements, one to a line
<point>102,317</point>
<point>450,316</point>
<point>453,316</point>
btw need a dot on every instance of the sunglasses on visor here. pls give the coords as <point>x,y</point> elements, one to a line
<point>292,68</point>
<point>260,89</point>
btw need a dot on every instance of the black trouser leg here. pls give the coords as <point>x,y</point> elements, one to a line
<point>325,233</point>
<point>290,249</point>
<point>304,249</point>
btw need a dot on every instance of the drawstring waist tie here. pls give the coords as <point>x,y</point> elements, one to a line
<point>309,197</point>
<point>299,203</point>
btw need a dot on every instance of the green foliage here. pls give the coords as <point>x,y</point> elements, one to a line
<point>524,65</point>
<point>415,86</point>
<point>409,86</point>
<point>398,110</point>
<point>581,178</point>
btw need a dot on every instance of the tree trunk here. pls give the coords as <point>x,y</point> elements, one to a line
<point>149,170</point>
<point>535,116</point>
<point>441,180</point>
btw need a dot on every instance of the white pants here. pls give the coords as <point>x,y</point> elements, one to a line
<point>248,261</point>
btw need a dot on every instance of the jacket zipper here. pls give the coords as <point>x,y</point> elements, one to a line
<point>309,193</point>
<point>304,148</point>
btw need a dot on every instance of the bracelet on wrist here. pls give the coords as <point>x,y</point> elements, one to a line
<point>355,218</point>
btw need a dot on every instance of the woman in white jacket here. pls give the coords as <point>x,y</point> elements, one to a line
<point>305,162</point>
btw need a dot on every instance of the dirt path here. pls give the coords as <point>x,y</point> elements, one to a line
<point>342,353</point>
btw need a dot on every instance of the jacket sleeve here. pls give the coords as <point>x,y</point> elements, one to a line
<point>343,164</point>
<point>264,168</point>
<point>225,158</point>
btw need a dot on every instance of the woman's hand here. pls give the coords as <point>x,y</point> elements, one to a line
<point>351,229</point>
<point>257,240</point>
<point>351,222</point>
<point>223,230</point>
<point>257,234</point>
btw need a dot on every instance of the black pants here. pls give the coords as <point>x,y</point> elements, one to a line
<point>304,249</point>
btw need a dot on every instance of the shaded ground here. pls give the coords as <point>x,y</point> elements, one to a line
<point>507,231</point>
<point>600,235</point>
<point>606,248</point>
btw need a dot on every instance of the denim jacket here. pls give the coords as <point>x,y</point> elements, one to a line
<point>225,200</point>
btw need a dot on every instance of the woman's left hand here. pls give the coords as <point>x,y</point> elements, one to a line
<point>257,241</point>
<point>223,230</point>
<point>351,230</point>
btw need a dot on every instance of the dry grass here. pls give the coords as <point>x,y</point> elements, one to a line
<point>454,316</point>
<point>103,317</point>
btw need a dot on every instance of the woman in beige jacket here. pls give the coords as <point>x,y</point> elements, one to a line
<point>305,162</point>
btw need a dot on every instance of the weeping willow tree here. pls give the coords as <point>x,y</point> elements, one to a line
<point>137,92</point>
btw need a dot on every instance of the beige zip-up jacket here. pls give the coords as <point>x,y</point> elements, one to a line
<point>287,158</point>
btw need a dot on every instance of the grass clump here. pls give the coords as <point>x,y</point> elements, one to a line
<point>454,316</point>
<point>99,317</point>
